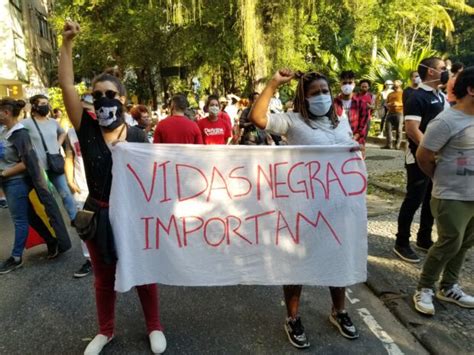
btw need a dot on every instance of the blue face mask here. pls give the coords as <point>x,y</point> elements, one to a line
<point>319,105</point>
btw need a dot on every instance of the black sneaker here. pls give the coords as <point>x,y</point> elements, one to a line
<point>406,254</point>
<point>343,322</point>
<point>9,265</point>
<point>85,270</point>
<point>296,335</point>
<point>3,204</point>
<point>424,247</point>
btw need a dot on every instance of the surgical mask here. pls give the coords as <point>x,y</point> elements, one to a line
<point>319,105</point>
<point>42,110</point>
<point>347,89</point>
<point>214,110</point>
<point>108,112</point>
<point>417,80</point>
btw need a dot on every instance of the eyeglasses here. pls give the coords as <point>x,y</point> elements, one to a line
<point>110,94</point>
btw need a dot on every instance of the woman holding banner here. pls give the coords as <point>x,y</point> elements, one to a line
<point>315,121</point>
<point>95,136</point>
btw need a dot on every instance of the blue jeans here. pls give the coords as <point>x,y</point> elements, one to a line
<point>16,192</point>
<point>59,182</point>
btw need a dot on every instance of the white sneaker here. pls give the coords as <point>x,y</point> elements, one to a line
<point>423,300</point>
<point>97,344</point>
<point>157,342</point>
<point>456,295</point>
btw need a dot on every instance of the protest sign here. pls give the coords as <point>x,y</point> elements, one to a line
<point>225,215</point>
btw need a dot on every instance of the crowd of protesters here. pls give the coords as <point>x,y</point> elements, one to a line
<point>35,150</point>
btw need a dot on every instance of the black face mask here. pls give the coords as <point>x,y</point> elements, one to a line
<point>444,77</point>
<point>109,112</point>
<point>42,110</point>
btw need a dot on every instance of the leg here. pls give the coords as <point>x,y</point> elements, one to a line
<point>399,130</point>
<point>452,225</point>
<point>59,182</point>
<point>388,132</point>
<point>338,296</point>
<point>339,316</point>
<point>417,183</point>
<point>292,299</point>
<point>454,266</point>
<point>149,298</point>
<point>426,220</point>
<point>16,192</point>
<point>105,295</point>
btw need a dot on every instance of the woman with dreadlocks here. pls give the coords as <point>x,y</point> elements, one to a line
<point>315,121</point>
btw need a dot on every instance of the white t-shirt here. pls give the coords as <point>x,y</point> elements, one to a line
<point>451,134</point>
<point>79,171</point>
<point>297,132</point>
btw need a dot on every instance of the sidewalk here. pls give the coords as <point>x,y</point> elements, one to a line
<point>451,330</point>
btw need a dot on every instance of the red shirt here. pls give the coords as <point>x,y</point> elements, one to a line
<point>214,132</point>
<point>358,116</point>
<point>224,116</point>
<point>177,130</point>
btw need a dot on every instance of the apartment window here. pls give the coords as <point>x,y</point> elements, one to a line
<point>43,27</point>
<point>19,42</point>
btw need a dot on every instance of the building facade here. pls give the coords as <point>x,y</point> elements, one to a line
<point>27,48</point>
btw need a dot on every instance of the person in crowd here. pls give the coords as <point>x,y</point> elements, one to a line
<point>3,199</point>
<point>415,82</point>
<point>76,178</point>
<point>233,108</point>
<point>316,120</point>
<point>356,110</point>
<point>177,128</point>
<point>251,134</point>
<point>128,116</point>
<point>420,108</point>
<point>141,115</point>
<point>395,115</point>
<point>94,136</point>
<point>276,105</point>
<point>366,96</point>
<point>44,129</point>
<point>382,108</point>
<point>214,130</point>
<point>57,114</point>
<point>455,70</point>
<point>19,173</point>
<point>289,105</point>
<point>446,155</point>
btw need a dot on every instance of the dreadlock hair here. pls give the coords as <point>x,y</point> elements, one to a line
<point>300,103</point>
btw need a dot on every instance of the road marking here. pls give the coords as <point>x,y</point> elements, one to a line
<point>387,341</point>
<point>351,300</point>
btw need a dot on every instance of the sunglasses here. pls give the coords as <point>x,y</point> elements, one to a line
<point>110,94</point>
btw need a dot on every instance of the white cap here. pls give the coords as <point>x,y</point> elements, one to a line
<point>388,82</point>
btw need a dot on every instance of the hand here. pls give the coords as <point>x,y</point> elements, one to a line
<point>283,76</point>
<point>70,30</point>
<point>74,188</point>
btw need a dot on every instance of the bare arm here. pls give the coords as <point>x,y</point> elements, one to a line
<point>66,75</point>
<point>62,138</point>
<point>426,160</point>
<point>412,129</point>
<point>14,170</point>
<point>258,114</point>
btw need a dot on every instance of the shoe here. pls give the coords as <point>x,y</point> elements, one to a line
<point>157,342</point>
<point>85,270</point>
<point>295,331</point>
<point>97,344</point>
<point>53,251</point>
<point>456,295</point>
<point>423,300</point>
<point>10,264</point>
<point>3,203</point>
<point>424,247</point>
<point>343,322</point>
<point>406,254</point>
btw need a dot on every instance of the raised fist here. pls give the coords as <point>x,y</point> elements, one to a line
<point>70,30</point>
<point>283,76</point>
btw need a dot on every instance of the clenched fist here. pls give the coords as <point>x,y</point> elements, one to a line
<point>70,30</point>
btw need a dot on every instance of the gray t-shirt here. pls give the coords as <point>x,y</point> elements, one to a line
<point>51,131</point>
<point>9,156</point>
<point>451,134</point>
<point>297,132</point>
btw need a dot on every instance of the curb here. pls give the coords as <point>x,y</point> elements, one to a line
<point>434,339</point>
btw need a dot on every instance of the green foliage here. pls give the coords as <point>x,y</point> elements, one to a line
<point>56,101</point>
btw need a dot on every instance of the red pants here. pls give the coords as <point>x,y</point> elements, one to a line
<point>105,295</point>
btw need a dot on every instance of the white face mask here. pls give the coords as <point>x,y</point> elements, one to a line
<point>214,110</point>
<point>319,105</point>
<point>417,80</point>
<point>347,89</point>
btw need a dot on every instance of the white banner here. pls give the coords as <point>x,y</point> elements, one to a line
<point>225,215</point>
